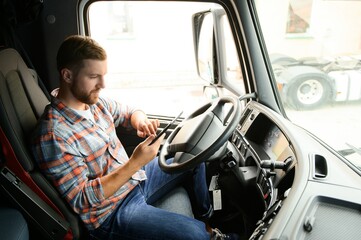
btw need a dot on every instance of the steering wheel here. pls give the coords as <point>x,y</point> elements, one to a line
<point>200,135</point>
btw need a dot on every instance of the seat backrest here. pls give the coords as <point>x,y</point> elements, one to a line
<point>22,102</point>
<point>19,117</point>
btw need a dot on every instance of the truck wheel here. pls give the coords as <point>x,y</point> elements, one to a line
<point>308,93</point>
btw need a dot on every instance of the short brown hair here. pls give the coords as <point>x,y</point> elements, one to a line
<point>77,48</point>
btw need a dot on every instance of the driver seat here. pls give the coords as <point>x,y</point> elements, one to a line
<point>22,102</point>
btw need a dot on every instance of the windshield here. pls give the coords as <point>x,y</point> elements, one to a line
<point>315,51</point>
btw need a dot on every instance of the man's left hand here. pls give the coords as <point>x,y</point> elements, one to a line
<point>147,127</point>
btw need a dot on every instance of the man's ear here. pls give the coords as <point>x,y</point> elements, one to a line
<point>66,75</point>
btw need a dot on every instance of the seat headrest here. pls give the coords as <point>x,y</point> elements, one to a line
<point>10,61</point>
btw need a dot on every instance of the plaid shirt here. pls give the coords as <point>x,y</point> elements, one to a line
<point>73,152</point>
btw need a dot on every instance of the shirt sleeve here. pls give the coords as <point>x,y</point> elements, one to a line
<point>65,167</point>
<point>120,112</point>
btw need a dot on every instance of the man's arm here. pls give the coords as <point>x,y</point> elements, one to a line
<point>128,117</point>
<point>69,175</point>
<point>142,154</point>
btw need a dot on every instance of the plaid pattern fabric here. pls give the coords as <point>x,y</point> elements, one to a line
<point>73,152</point>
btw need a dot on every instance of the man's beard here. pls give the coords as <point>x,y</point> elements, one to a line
<point>84,97</point>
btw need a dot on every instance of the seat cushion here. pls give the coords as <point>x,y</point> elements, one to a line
<point>176,201</point>
<point>13,224</point>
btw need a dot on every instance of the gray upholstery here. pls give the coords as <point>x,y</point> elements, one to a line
<point>13,225</point>
<point>176,201</point>
<point>23,102</point>
<point>12,61</point>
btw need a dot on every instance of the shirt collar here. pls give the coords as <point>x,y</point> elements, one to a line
<point>65,111</point>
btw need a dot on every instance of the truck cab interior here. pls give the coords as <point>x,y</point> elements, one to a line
<point>277,166</point>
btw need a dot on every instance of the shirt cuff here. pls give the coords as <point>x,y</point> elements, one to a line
<point>140,175</point>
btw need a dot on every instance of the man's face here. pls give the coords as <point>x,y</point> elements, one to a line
<point>89,81</point>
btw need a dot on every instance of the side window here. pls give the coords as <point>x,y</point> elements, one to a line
<point>151,58</point>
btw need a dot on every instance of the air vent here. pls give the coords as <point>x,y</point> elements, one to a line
<point>319,164</point>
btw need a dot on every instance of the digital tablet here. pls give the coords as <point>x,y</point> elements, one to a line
<point>166,128</point>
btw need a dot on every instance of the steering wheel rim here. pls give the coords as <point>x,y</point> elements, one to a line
<point>200,135</point>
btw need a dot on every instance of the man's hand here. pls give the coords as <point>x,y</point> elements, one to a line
<point>145,127</point>
<point>144,152</point>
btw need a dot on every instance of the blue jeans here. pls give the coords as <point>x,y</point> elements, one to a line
<point>135,218</point>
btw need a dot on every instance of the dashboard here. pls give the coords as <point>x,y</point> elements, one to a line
<point>292,176</point>
<point>261,143</point>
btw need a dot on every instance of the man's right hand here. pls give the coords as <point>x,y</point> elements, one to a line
<point>144,152</point>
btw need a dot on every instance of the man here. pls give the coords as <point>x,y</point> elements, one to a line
<point>76,147</point>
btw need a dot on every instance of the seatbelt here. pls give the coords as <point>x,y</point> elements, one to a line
<point>2,156</point>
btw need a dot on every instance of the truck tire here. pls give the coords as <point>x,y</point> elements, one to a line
<point>308,92</point>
